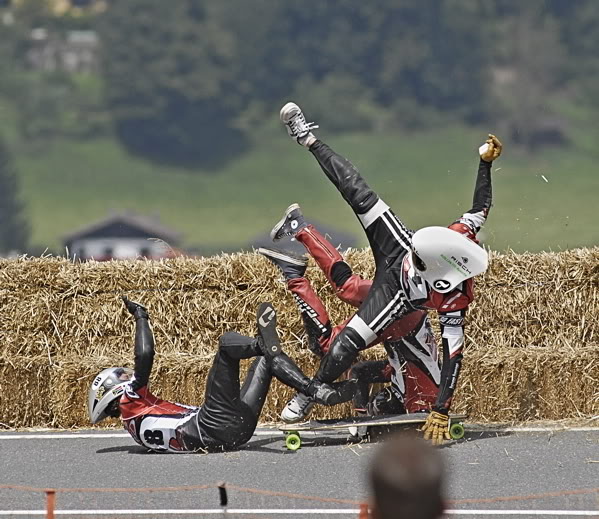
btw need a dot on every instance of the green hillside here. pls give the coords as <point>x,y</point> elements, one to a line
<point>541,202</point>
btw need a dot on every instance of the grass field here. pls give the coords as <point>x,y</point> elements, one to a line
<point>542,202</point>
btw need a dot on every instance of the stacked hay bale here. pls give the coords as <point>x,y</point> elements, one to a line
<point>533,347</point>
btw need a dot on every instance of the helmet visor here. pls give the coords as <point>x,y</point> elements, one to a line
<point>123,375</point>
<point>418,263</point>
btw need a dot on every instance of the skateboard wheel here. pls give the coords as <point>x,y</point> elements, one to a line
<point>457,431</point>
<point>293,441</point>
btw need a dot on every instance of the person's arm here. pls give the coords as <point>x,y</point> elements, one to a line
<point>472,221</point>
<point>452,317</point>
<point>452,336</point>
<point>144,353</point>
<point>144,344</point>
<point>436,427</point>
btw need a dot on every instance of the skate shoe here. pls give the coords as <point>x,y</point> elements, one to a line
<point>135,309</point>
<point>292,222</point>
<point>291,265</point>
<point>358,433</point>
<point>267,330</point>
<point>295,121</point>
<point>297,409</point>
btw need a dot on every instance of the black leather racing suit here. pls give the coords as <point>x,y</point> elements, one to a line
<point>397,289</point>
<point>230,412</point>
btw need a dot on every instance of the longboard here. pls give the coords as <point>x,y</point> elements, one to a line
<point>293,438</point>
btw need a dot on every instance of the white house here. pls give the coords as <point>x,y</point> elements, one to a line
<point>122,236</point>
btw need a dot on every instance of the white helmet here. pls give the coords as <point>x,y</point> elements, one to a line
<point>106,390</point>
<point>445,258</point>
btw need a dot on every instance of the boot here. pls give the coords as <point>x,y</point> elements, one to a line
<point>267,330</point>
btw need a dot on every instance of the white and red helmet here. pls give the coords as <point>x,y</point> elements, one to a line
<point>445,258</point>
<point>107,387</point>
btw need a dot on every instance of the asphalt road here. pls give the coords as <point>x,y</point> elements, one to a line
<point>549,473</point>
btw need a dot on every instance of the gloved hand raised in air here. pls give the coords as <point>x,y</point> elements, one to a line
<point>491,149</point>
<point>436,428</point>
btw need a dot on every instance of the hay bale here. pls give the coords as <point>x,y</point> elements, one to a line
<point>547,300</point>
<point>520,385</point>
<point>25,390</point>
<point>532,332</point>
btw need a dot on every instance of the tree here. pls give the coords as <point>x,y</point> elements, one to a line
<point>530,74</point>
<point>353,61</point>
<point>578,25</point>
<point>168,72</point>
<point>14,230</point>
<point>49,104</point>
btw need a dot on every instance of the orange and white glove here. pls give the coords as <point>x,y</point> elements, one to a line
<point>491,149</point>
<point>436,428</point>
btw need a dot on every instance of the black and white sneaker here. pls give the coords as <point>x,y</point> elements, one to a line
<point>298,408</point>
<point>267,329</point>
<point>292,222</point>
<point>295,121</point>
<point>291,265</point>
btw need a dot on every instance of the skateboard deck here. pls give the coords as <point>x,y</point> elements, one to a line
<point>293,438</point>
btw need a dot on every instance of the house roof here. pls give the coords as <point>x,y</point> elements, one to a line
<point>125,224</point>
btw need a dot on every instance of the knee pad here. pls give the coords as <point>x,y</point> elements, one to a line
<point>340,356</point>
<point>351,339</point>
<point>340,273</point>
<point>347,344</point>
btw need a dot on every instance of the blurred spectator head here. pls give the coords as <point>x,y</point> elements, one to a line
<point>406,479</point>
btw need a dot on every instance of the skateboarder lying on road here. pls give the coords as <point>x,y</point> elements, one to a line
<point>230,413</point>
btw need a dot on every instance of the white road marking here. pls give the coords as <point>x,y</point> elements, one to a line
<point>292,511</point>
<point>71,436</point>
<point>219,511</point>
<point>68,436</point>
<point>591,513</point>
<point>554,428</point>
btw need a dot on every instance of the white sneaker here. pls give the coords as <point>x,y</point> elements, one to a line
<point>358,432</point>
<point>297,409</point>
<point>295,121</point>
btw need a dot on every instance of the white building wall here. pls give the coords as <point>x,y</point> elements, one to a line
<point>117,248</point>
